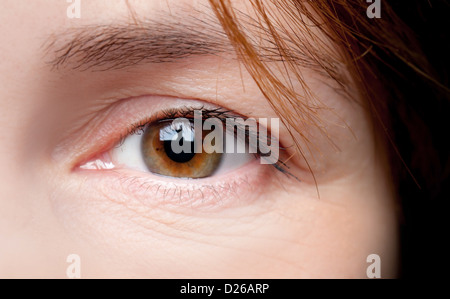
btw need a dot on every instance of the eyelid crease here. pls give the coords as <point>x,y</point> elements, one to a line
<point>219,113</point>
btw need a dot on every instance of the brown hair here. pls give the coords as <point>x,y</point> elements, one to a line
<point>391,56</point>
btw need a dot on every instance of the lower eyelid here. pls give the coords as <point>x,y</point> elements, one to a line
<point>239,187</point>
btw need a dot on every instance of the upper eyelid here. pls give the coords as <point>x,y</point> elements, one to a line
<point>107,126</point>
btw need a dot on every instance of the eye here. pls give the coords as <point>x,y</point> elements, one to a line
<point>168,148</point>
<point>135,154</point>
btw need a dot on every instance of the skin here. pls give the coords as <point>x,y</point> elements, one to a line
<point>254,222</point>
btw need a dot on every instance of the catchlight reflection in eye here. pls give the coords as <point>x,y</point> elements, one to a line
<point>153,151</point>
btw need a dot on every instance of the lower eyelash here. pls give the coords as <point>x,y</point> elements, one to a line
<point>210,196</point>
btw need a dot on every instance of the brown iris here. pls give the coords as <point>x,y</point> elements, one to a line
<point>161,157</point>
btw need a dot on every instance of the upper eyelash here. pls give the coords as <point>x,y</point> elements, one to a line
<point>188,112</point>
<point>173,113</point>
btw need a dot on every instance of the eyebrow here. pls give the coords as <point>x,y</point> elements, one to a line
<point>170,39</point>
<point>106,47</point>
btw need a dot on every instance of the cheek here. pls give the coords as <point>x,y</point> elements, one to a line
<point>176,240</point>
<point>287,233</point>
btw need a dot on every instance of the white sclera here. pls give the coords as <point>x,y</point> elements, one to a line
<point>129,153</point>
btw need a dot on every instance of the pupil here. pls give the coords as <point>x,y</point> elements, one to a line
<point>181,157</point>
